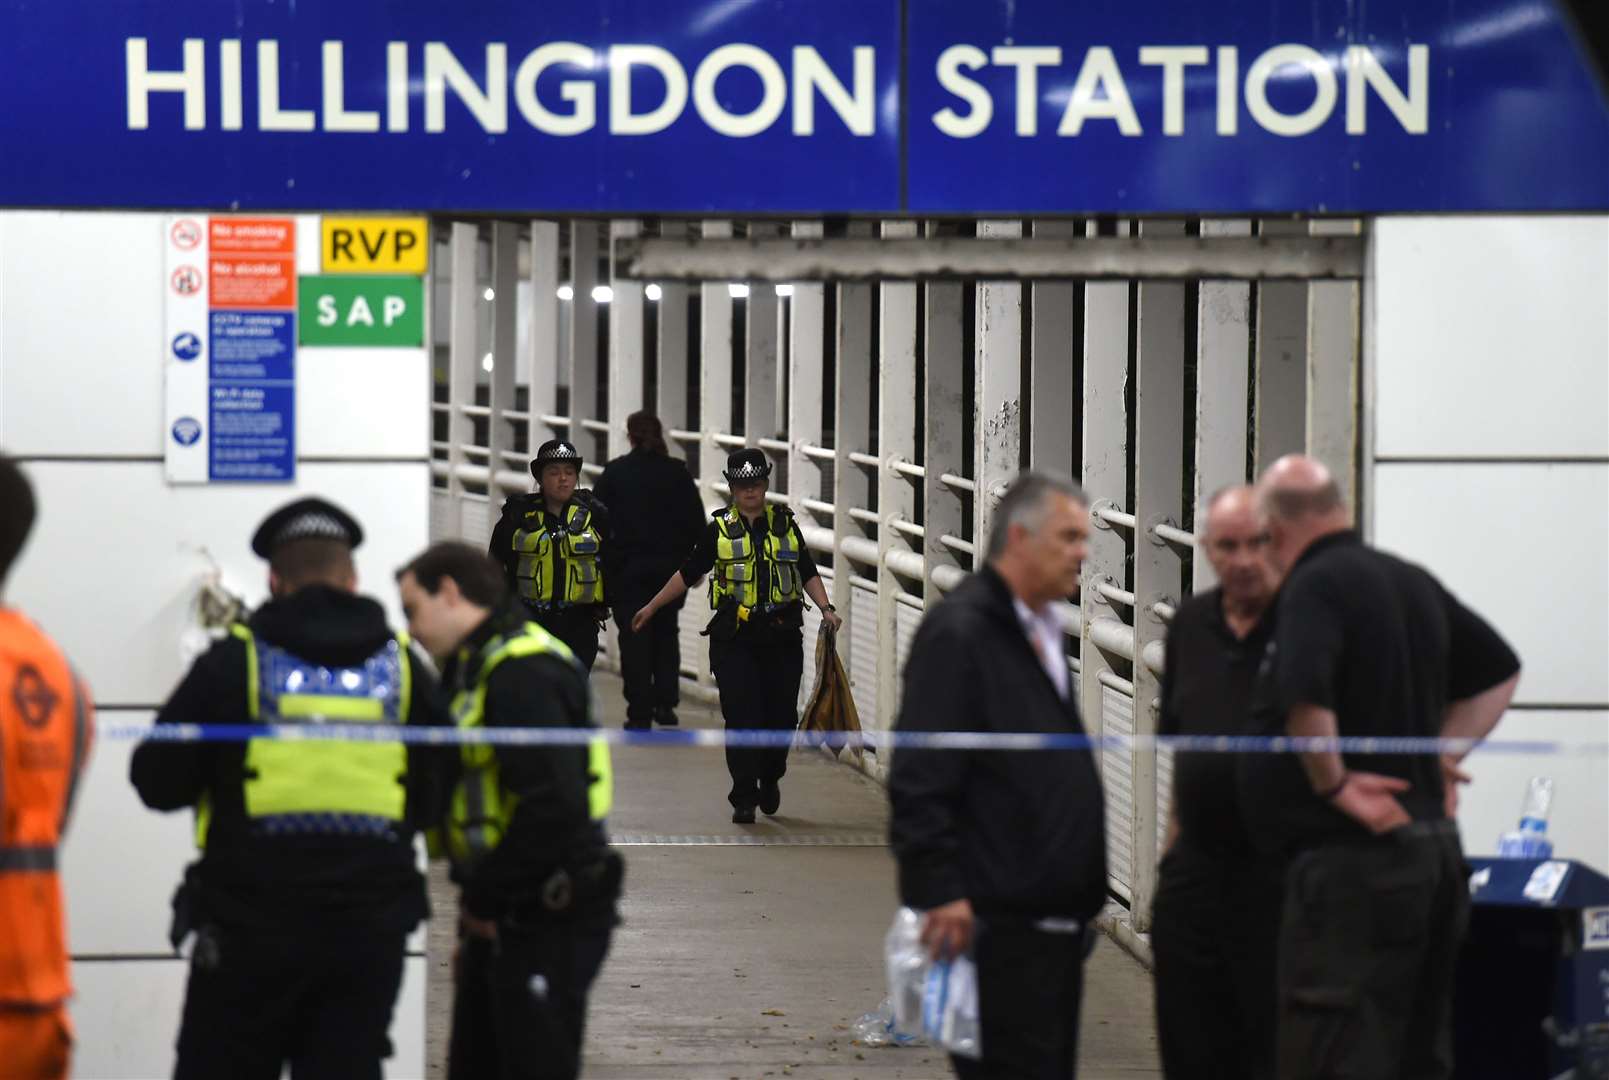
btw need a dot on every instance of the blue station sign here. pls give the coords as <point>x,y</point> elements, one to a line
<point>795,107</point>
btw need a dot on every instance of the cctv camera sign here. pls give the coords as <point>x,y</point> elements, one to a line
<point>786,106</point>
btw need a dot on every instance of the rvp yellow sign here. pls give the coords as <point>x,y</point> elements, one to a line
<point>376,245</point>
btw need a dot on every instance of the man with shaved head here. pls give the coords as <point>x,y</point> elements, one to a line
<point>1375,903</point>
<point>1217,904</point>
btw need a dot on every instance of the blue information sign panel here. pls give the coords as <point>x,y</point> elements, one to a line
<point>1186,107</point>
<point>743,105</point>
<point>253,431</point>
<point>800,106</point>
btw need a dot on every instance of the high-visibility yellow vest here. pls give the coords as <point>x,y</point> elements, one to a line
<point>737,562</point>
<point>557,562</point>
<point>323,785</point>
<point>480,811</point>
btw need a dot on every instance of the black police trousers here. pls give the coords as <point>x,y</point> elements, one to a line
<point>650,660</point>
<point>1214,928</point>
<point>320,1001</point>
<point>520,1004</point>
<point>577,627</point>
<point>1030,991</point>
<point>1368,948</point>
<point>758,674</point>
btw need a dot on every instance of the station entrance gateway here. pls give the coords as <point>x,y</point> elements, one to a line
<point>899,373</point>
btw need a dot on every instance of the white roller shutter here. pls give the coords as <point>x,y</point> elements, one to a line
<point>863,651</point>
<point>1117,713</point>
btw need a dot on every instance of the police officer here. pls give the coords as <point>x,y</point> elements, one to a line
<point>550,544</point>
<point>656,517</point>
<point>762,572</point>
<point>306,889</point>
<point>524,826</point>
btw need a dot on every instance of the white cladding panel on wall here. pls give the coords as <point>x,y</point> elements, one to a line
<point>1525,546</point>
<point>1492,340</point>
<point>117,848</point>
<point>1117,778</point>
<point>127,1018</point>
<point>81,333</point>
<point>1579,823</point>
<point>368,403</point>
<point>115,560</point>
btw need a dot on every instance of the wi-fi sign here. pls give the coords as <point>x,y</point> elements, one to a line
<point>186,430</point>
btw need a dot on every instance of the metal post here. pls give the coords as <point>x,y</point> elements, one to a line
<point>806,359</point>
<point>715,376</point>
<point>715,412</point>
<point>1158,468</point>
<point>1332,372</point>
<point>1222,347</point>
<point>1281,405</point>
<point>851,486</point>
<point>945,433</point>
<point>671,403</point>
<point>998,384</point>
<point>583,335</point>
<point>625,345</point>
<point>505,309</point>
<point>896,441</point>
<point>462,364</point>
<point>544,332</point>
<point>760,414</point>
<point>1106,351</point>
<point>1052,386</point>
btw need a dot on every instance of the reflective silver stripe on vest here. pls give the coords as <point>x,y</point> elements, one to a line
<point>18,860</point>
<point>80,747</point>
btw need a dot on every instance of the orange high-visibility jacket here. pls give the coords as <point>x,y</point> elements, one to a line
<point>46,723</point>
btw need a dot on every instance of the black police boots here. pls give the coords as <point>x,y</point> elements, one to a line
<point>770,797</point>
<point>665,716</point>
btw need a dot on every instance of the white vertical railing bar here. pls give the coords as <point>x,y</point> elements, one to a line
<point>462,363</point>
<point>896,438</point>
<point>1223,346</point>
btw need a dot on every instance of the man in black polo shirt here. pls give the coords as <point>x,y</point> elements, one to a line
<point>1376,897</point>
<point>1216,913</point>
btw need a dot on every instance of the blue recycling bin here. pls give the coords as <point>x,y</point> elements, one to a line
<point>1533,977</point>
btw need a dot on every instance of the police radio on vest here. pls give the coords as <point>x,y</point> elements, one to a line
<point>1100,97</point>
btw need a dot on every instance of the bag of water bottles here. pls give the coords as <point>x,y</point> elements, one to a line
<point>937,999</point>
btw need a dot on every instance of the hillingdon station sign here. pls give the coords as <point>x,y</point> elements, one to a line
<point>788,106</point>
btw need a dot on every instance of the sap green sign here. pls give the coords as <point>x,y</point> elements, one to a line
<point>353,309</point>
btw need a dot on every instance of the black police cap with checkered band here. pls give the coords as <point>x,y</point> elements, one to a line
<point>747,464</point>
<point>555,452</point>
<point>305,519</point>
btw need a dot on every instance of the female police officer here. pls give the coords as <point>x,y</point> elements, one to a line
<point>762,571</point>
<point>550,545</point>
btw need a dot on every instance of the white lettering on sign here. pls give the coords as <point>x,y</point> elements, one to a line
<point>1092,89</point>
<point>392,308</point>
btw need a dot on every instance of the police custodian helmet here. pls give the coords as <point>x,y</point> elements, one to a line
<point>305,519</point>
<point>555,452</point>
<point>746,464</point>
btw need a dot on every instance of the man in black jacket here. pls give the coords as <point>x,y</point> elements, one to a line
<point>524,826</point>
<point>1376,891</point>
<point>307,887</point>
<point>1216,914</point>
<point>1004,850</point>
<point>656,517</point>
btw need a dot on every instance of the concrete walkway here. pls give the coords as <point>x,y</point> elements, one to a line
<point>749,951</point>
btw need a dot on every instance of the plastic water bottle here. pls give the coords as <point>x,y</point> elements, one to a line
<point>1530,840</point>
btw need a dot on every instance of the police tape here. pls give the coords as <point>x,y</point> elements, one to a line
<point>755,738</point>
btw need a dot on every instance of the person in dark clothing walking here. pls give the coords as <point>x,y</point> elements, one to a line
<point>1005,850</point>
<point>306,889</point>
<point>656,516</point>
<point>551,544</point>
<point>1376,897</point>
<point>1216,914</point>
<point>762,572</point>
<point>524,827</point>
